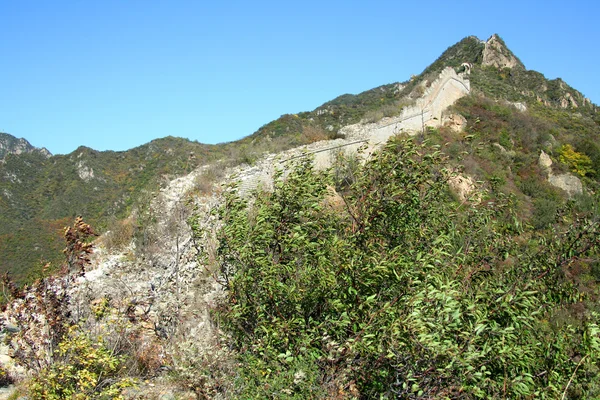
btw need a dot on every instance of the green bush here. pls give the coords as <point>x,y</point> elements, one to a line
<point>82,370</point>
<point>545,212</point>
<point>400,294</point>
<point>579,163</point>
<point>344,169</point>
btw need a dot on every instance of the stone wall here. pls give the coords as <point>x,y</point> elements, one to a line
<point>426,112</point>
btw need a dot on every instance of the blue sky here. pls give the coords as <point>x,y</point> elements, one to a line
<point>112,75</point>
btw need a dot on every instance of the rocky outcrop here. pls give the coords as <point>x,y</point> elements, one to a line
<point>567,182</point>
<point>455,122</point>
<point>85,173</point>
<point>545,163</point>
<point>568,101</point>
<point>496,54</point>
<point>462,186</point>
<point>519,106</point>
<point>507,153</point>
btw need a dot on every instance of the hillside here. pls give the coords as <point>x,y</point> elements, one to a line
<point>435,238</point>
<point>40,194</point>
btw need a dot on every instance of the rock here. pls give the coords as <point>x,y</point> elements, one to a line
<point>567,182</point>
<point>85,173</point>
<point>456,122</point>
<point>11,327</point>
<point>568,101</point>
<point>507,153</point>
<point>520,106</point>
<point>544,102</point>
<point>11,145</point>
<point>8,392</point>
<point>496,54</point>
<point>545,163</point>
<point>463,186</point>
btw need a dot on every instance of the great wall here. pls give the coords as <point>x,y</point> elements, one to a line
<point>427,111</point>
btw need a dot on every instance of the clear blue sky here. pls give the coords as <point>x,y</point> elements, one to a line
<point>113,75</point>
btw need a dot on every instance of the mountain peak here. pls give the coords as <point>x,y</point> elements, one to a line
<point>496,54</point>
<point>12,145</point>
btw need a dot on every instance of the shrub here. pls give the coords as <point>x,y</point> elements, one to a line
<point>5,377</point>
<point>314,133</point>
<point>120,234</point>
<point>579,163</point>
<point>398,294</point>
<point>592,150</point>
<point>82,370</point>
<point>544,213</point>
<point>205,182</point>
<point>373,116</point>
<point>344,169</point>
<point>204,368</point>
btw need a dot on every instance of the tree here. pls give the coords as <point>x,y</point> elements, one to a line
<point>396,291</point>
<point>579,163</point>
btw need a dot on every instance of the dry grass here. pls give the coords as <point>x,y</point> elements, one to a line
<point>119,235</point>
<point>314,133</point>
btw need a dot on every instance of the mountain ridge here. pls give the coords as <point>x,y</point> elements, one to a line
<point>106,184</point>
<point>12,145</point>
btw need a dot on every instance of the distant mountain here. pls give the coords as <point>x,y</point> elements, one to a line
<point>40,194</point>
<point>11,145</point>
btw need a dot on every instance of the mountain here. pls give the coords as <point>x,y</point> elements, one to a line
<point>432,238</point>
<point>11,145</point>
<point>39,193</point>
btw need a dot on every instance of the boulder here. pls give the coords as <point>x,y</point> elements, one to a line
<point>462,186</point>
<point>545,163</point>
<point>455,122</point>
<point>567,182</point>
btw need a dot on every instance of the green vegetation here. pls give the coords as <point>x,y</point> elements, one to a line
<point>87,354</point>
<point>40,195</point>
<point>526,86</point>
<point>82,370</point>
<point>468,50</point>
<point>500,147</point>
<point>372,105</point>
<point>577,162</point>
<point>368,280</point>
<point>395,291</point>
